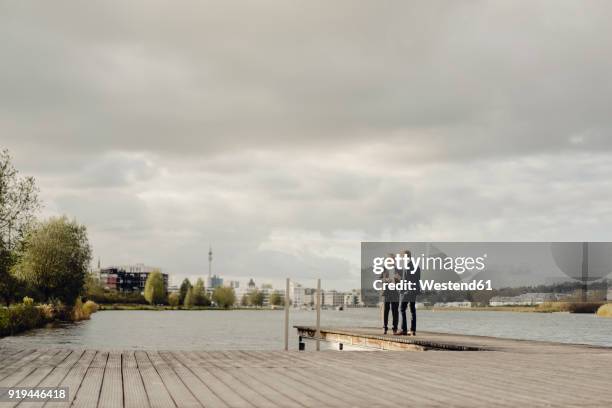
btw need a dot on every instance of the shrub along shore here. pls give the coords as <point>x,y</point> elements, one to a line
<point>24,316</point>
<point>547,307</point>
<point>605,310</point>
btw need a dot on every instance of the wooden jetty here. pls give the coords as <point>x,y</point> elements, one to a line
<point>489,372</point>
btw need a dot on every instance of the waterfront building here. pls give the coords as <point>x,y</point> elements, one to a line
<point>526,299</point>
<point>464,303</point>
<point>128,278</point>
<point>300,296</point>
<point>353,298</point>
<point>333,298</point>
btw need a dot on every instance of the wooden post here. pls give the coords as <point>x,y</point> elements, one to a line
<point>287,305</point>
<point>585,270</point>
<point>318,334</point>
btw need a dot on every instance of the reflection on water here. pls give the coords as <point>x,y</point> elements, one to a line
<point>263,329</point>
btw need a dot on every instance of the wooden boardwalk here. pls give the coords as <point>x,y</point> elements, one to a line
<point>515,374</point>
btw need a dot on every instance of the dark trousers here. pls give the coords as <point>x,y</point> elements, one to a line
<point>403,308</point>
<point>393,306</point>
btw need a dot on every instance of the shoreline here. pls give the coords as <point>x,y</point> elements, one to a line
<point>161,308</point>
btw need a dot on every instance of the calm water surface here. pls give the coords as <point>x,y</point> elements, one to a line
<point>263,329</point>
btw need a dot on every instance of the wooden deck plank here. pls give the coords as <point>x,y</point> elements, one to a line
<point>17,361</point>
<point>304,394</point>
<point>200,390</point>
<point>232,395</point>
<point>135,395</point>
<point>55,377</point>
<point>181,395</point>
<point>111,394</point>
<point>74,378</point>
<point>44,367</point>
<point>252,387</point>
<point>534,374</point>
<point>157,394</point>
<point>88,394</point>
<point>26,367</point>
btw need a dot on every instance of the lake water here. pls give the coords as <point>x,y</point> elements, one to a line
<point>263,329</point>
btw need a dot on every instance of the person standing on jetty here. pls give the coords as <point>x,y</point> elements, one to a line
<point>408,297</point>
<point>390,298</point>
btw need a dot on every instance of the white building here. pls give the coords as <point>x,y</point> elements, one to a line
<point>300,296</point>
<point>464,303</point>
<point>139,268</point>
<point>526,299</point>
<point>353,298</point>
<point>333,298</point>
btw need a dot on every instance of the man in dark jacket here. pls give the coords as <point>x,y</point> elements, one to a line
<point>390,298</point>
<point>409,297</point>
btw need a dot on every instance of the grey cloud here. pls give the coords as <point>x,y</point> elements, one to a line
<point>204,79</point>
<point>166,127</point>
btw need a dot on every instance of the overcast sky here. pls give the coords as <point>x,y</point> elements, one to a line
<point>286,132</point>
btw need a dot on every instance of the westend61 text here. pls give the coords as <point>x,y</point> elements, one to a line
<point>428,285</point>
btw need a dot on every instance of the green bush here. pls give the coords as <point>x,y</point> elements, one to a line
<point>117,297</point>
<point>183,290</point>
<point>154,288</point>
<point>189,299</point>
<point>224,297</point>
<point>20,317</point>
<point>199,294</point>
<point>79,312</point>
<point>174,299</point>
<point>90,307</point>
<point>5,328</point>
<point>256,298</point>
<point>553,307</point>
<point>55,259</point>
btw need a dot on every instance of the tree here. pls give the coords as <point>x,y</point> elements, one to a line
<point>55,259</point>
<point>183,289</point>
<point>224,297</point>
<point>244,301</point>
<point>174,299</point>
<point>276,299</point>
<point>10,288</point>
<point>18,206</point>
<point>256,298</point>
<point>199,294</point>
<point>189,299</point>
<point>18,203</point>
<point>154,292</point>
<point>93,287</point>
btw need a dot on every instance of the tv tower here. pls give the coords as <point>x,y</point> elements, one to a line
<point>209,261</point>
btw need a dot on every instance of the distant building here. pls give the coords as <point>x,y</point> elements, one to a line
<point>333,298</point>
<point>266,290</point>
<point>526,299</point>
<point>251,285</point>
<point>300,296</point>
<point>453,304</point>
<point>128,279</point>
<point>609,296</point>
<point>352,298</point>
<point>213,282</point>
